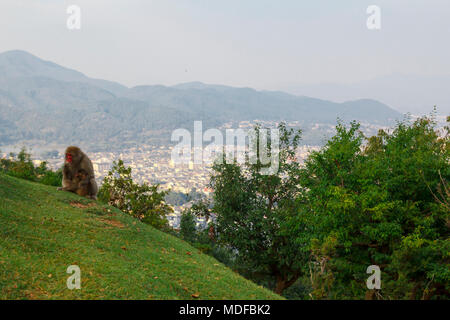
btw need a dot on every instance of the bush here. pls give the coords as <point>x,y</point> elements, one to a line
<point>52,178</point>
<point>143,202</point>
<point>21,166</point>
<point>188,230</point>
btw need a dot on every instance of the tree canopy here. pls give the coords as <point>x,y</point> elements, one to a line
<point>357,202</point>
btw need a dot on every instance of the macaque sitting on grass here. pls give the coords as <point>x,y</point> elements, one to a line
<point>78,174</point>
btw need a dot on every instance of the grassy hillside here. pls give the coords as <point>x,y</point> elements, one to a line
<point>43,231</point>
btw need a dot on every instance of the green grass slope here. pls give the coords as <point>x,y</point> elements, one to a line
<point>43,231</point>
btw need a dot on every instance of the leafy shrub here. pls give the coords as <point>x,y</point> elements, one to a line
<point>188,230</point>
<point>143,202</point>
<point>21,166</point>
<point>52,178</point>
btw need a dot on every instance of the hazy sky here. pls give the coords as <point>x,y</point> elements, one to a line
<point>265,44</point>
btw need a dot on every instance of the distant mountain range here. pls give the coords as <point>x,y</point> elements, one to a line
<point>42,102</point>
<point>416,94</point>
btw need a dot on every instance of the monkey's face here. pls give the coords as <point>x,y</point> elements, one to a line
<point>73,158</point>
<point>69,158</point>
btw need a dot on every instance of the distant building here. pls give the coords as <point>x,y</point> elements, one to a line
<point>174,220</point>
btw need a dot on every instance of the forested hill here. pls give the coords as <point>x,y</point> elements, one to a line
<point>44,231</point>
<point>44,102</point>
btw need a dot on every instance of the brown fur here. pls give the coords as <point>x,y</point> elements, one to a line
<point>82,181</point>
<point>78,175</point>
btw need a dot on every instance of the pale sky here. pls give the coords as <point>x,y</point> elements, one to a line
<point>264,44</point>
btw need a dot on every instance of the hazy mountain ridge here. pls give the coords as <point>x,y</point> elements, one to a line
<point>18,63</point>
<point>417,94</point>
<point>42,101</point>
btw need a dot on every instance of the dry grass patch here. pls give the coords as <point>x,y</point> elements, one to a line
<point>114,223</point>
<point>80,205</point>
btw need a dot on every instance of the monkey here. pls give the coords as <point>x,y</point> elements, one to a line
<point>81,180</point>
<point>85,187</point>
<point>76,161</point>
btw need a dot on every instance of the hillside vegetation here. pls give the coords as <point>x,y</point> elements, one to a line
<point>43,231</point>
